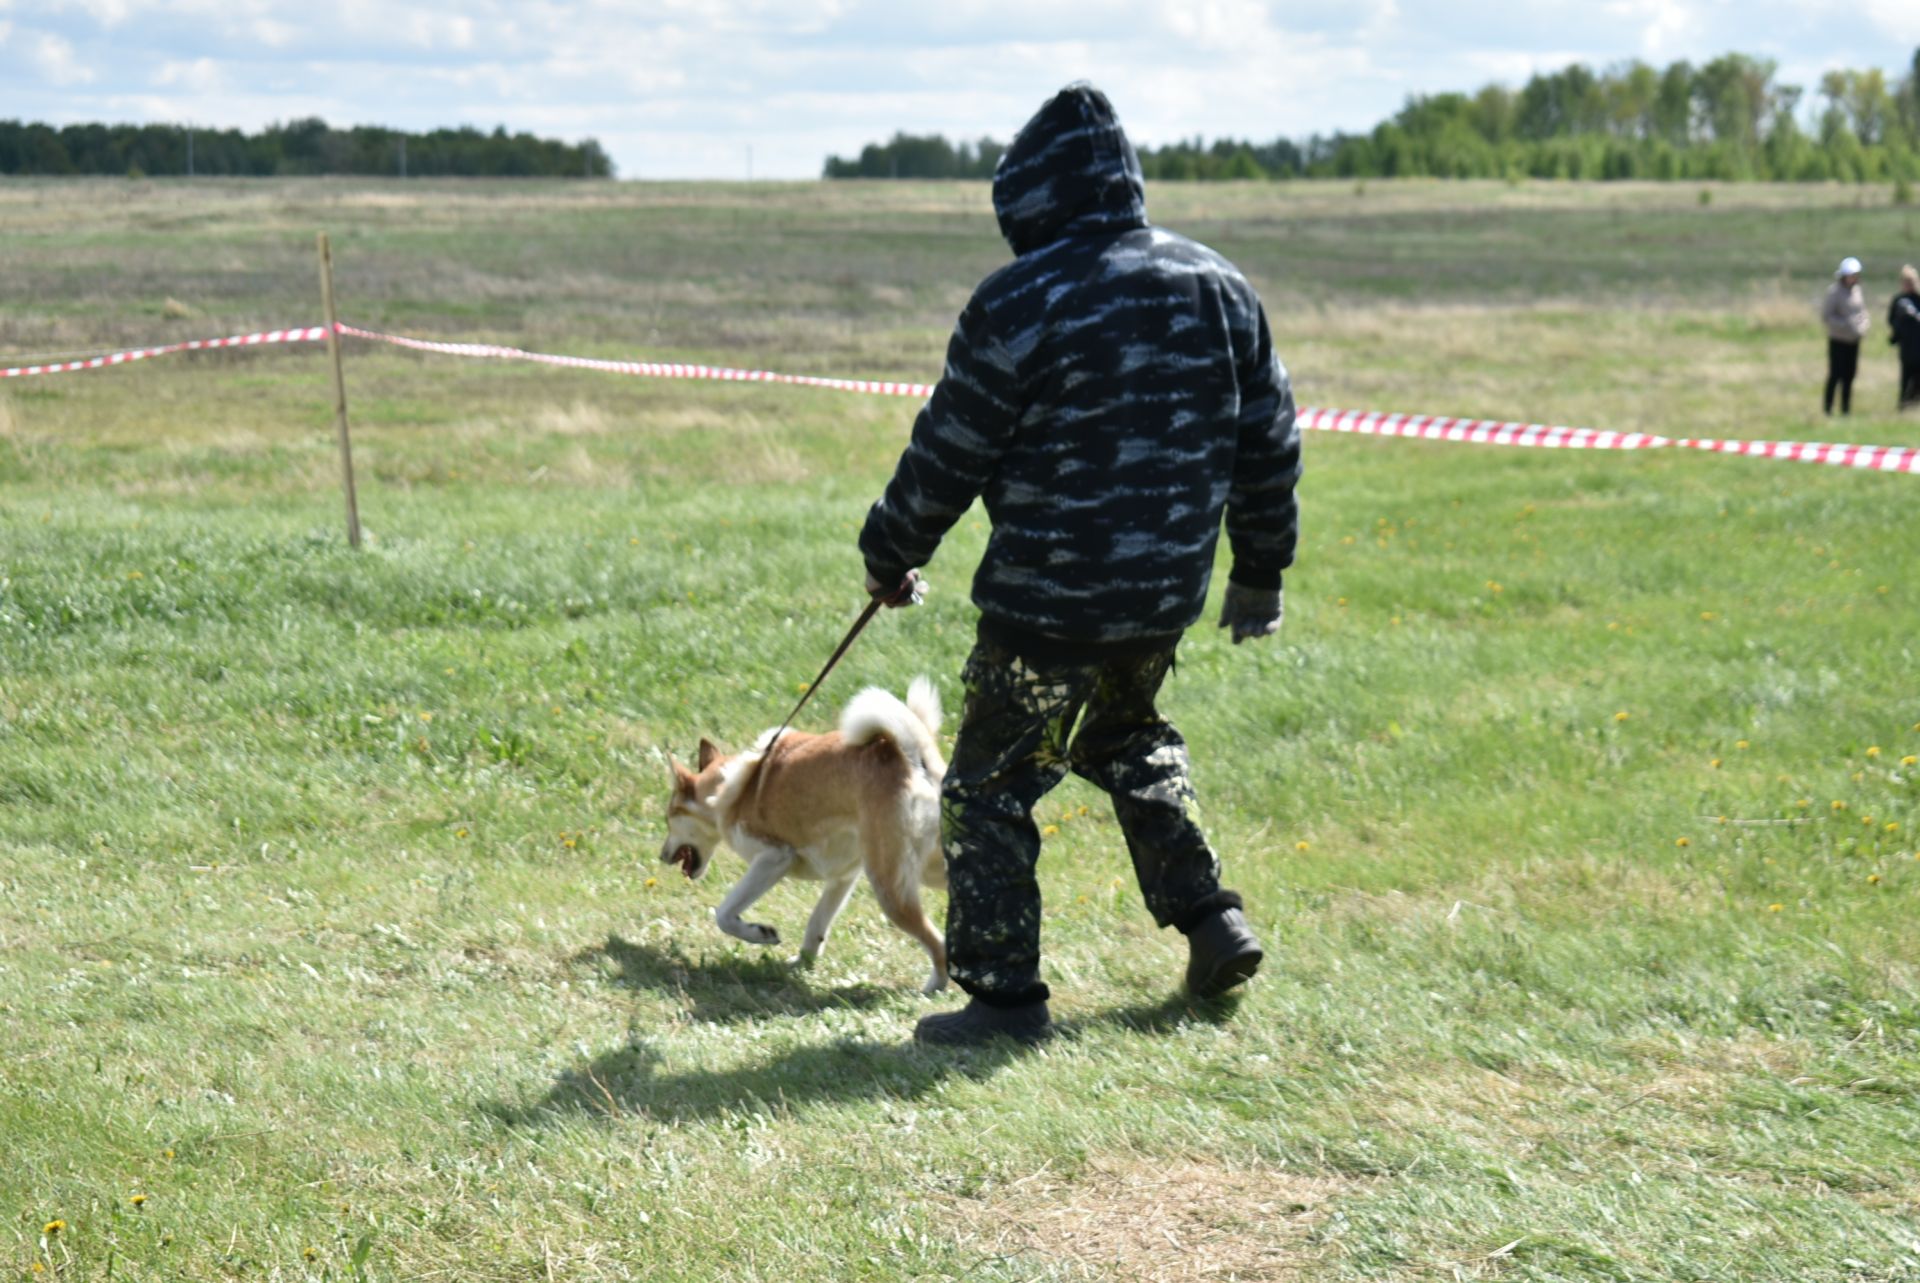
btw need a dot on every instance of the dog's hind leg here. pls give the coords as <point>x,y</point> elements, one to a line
<point>903,909</point>
<point>770,864</point>
<point>832,900</point>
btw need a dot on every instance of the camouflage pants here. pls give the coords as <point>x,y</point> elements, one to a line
<point>1017,740</point>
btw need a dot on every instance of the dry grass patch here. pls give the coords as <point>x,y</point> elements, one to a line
<point>1144,1220</point>
<point>578,419</point>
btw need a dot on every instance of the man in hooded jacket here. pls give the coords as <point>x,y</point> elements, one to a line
<point>1110,395</point>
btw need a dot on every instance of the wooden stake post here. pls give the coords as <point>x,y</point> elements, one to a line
<point>339,390</point>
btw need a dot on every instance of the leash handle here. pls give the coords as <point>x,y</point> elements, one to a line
<point>874,603</point>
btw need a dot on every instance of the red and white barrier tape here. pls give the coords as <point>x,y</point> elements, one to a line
<point>1489,432</point>
<point>647,369</point>
<point>309,334</point>
<point>1364,422</point>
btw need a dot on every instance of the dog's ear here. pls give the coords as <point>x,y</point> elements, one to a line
<point>707,754</point>
<point>682,777</point>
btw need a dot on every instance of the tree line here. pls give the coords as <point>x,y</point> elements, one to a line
<point>1728,119</point>
<point>297,147</point>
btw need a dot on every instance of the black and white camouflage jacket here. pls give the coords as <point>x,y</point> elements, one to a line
<point>1109,395</point>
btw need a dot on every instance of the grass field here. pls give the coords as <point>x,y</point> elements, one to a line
<point>1576,801</point>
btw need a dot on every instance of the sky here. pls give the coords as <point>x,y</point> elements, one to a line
<point>770,88</point>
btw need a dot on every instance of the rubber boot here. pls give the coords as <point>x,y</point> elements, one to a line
<point>1222,953</point>
<point>978,1022</point>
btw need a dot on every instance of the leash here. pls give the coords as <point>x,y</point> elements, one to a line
<point>905,591</point>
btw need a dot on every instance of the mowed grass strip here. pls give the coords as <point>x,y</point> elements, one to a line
<point>1576,801</point>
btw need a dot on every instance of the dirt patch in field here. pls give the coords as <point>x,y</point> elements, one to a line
<point>1141,1220</point>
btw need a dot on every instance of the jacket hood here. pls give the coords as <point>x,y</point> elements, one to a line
<point>1070,169</point>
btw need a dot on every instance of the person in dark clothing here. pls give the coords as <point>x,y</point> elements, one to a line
<point>1903,319</point>
<point>1110,395</point>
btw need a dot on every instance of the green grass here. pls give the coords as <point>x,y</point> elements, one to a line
<point>1575,801</point>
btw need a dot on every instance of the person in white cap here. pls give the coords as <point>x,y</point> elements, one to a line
<point>1845,314</point>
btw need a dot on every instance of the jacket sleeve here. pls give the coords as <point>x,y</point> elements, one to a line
<point>1903,318</point>
<point>958,440</point>
<point>1262,513</point>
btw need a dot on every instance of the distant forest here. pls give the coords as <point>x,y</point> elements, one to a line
<point>297,147</point>
<point>1726,119</point>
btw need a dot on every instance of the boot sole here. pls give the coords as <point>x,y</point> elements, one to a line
<point>1231,972</point>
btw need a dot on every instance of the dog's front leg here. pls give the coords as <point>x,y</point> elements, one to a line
<point>768,867</point>
<point>832,900</point>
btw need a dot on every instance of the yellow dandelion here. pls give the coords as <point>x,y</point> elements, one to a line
<point>38,1267</point>
<point>653,882</point>
<point>1715,764</point>
<point>1622,715</point>
<point>1804,803</point>
<point>167,1154</point>
<point>1049,830</point>
<point>1720,819</point>
<point>1838,805</point>
<point>1867,820</point>
<point>134,574</point>
<point>1343,601</point>
<point>1708,616</point>
<point>1742,744</point>
<point>1910,760</point>
<point>1893,826</point>
<point>1299,846</point>
<point>1083,810</point>
<point>1348,542</point>
<point>1873,879</point>
<point>1873,750</point>
<point>426,717</point>
<point>138,1200</point>
<point>1775,908</point>
<point>309,1255</point>
<point>570,843</point>
<point>1682,842</point>
<point>1494,588</point>
<point>52,1228</point>
<point>460,833</point>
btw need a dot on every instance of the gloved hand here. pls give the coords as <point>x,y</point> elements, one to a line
<point>911,591</point>
<point>1252,612</point>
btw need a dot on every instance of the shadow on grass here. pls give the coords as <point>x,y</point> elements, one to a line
<point>727,989</point>
<point>634,1082</point>
<point>630,1082</point>
<point>1163,1017</point>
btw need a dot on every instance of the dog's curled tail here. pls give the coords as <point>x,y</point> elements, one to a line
<point>875,713</point>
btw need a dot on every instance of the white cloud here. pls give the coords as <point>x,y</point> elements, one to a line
<point>1898,20</point>
<point>58,64</point>
<point>202,75</point>
<point>1664,25</point>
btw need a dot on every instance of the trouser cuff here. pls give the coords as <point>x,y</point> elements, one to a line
<point>1035,992</point>
<point>1205,907</point>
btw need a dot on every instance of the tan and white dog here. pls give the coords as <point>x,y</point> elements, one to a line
<point>825,808</point>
